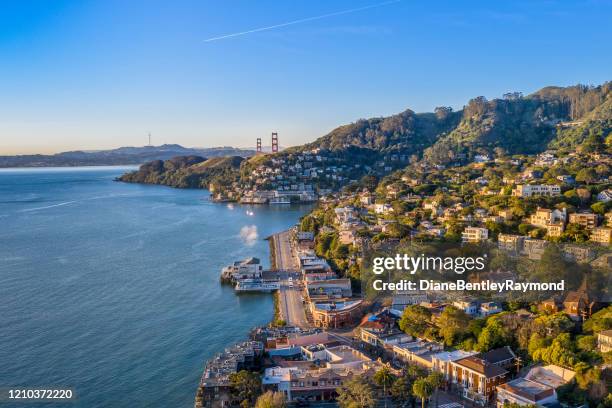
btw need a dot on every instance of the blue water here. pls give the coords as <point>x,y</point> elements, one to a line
<point>112,288</point>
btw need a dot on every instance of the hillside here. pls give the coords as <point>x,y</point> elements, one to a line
<point>526,125</point>
<point>577,117</point>
<point>406,132</point>
<point>186,171</point>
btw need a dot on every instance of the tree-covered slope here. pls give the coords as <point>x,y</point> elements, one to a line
<point>525,125</point>
<point>406,132</point>
<point>186,171</point>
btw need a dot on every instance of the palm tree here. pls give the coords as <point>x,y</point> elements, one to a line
<point>384,378</point>
<point>436,380</point>
<point>422,389</point>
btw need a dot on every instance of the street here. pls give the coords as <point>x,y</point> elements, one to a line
<point>291,306</point>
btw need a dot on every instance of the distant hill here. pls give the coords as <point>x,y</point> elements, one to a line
<point>120,156</point>
<point>186,171</point>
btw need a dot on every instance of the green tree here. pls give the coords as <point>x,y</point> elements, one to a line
<point>384,378</point>
<point>245,386</point>
<point>401,389</point>
<point>436,379</point>
<point>602,320</point>
<point>453,324</point>
<point>586,175</point>
<point>271,399</point>
<point>422,389</point>
<point>356,393</point>
<point>560,352</point>
<point>586,343</point>
<point>493,335</point>
<point>415,320</point>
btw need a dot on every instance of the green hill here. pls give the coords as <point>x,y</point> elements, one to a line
<point>186,171</point>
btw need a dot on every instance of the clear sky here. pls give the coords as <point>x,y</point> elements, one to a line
<point>101,74</point>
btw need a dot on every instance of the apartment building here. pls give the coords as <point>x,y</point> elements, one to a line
<point>478,375</point>
<point>602,235</point>
<point>587,220</point>
<point>530,190</point>
<point>474,235</point>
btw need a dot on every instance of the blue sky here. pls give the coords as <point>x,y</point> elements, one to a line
<point>100,74</point>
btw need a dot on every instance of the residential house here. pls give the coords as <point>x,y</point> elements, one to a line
<point>602,235</point>
<point>474,234</point>
<point>604,341</point>
<point>587,220</point>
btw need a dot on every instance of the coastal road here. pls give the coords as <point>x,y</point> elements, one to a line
<point>291,306</point>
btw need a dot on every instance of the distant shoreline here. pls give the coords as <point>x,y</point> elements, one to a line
<point>87,167</point>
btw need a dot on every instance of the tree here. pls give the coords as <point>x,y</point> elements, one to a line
<point>586,175</point>
<point>401,389</point>
<point>560,352</point>
<point>586,343</point>
<point>245,386</point>
<point>599,208</point>
<point>384,378</point>
<point>415,320</point>
<point>271,400</point>
<point>356,393</point>
<point>422,389</point>
<point>436,379</point>
<point>453,323</point>
<point>602,320</point>
<point>493,335</point>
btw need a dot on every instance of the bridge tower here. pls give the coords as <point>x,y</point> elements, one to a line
<point>259,145</point>
<point>274,142</point>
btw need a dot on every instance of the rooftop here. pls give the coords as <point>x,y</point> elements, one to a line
<point>531,390</point>
<point>481,366</point>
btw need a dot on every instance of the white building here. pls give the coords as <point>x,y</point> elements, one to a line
<point>474,234</point>
<point>529,190</point>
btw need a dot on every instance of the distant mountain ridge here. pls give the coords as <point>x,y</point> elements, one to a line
<point>119,156</point>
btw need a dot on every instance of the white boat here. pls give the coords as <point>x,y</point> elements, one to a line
<point>256,286</point>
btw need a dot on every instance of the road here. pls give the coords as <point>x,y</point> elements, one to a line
<point>291,306</point>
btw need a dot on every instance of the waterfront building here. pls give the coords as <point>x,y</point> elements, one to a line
<point>335,313</point>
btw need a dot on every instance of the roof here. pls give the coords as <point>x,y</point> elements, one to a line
<point>498,355</point>
<point>481,366</point>
<point>531,390</point>
<point>551,375</point>
<point>607,333</point>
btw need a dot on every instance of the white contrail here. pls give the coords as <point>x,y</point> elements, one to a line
<point>303,20</point>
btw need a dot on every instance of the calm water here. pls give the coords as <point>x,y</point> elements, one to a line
<point>113,289</point>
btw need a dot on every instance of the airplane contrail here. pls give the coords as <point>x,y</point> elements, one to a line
<point>302,20</point>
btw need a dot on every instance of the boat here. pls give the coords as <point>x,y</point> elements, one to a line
<point>252,285</point>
